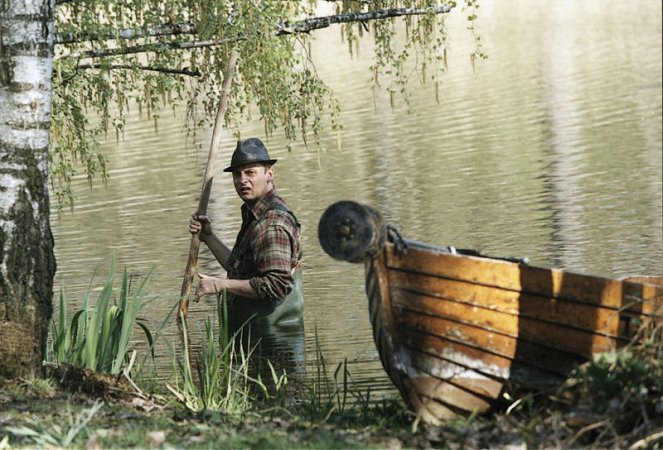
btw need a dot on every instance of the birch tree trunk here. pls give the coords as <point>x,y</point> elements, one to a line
<point>27,262</point>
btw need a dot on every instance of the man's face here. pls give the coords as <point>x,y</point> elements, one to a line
<point>252,181</point>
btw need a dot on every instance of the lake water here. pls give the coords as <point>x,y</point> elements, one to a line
<point>550,148</point>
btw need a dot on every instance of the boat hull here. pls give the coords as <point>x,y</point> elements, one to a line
<point>455,332</point>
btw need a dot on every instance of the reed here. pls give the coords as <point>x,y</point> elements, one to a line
<point>332,393</point>
<point>99,334</point>
<point>219,379</point>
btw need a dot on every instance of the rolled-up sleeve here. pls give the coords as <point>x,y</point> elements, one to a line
<point>273,260</point>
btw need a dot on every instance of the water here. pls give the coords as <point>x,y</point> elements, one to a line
<point>550,148</point>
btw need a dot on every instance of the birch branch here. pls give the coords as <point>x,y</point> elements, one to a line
<point>190,73</point>
<point>283,28</point>
<point>156,47</point>
<point>169,29</point>
<point>315,23</point>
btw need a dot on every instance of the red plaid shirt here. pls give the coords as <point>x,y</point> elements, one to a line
<point>267,248</point>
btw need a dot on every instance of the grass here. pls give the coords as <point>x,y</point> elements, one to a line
<point>334,394</point>
<point>127,425</point>
<point>574,417</point>
<point>219,377</point>
<point>44,434</point>
<point>218,380</point>
<point>613,401</point>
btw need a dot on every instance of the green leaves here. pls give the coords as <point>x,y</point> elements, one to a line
<point>152,54</point>
<point>217,379</point>
<point>98,336</point>
<point>618,376</point>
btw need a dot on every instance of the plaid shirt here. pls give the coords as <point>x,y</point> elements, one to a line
<point>267,248</point>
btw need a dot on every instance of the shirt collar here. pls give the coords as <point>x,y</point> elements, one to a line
<point>260,206</point>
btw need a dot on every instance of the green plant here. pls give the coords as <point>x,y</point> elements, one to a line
<point>221,380</point>
<point>612,401</point>
<point>629,377</point>
<point>55,435</point>
<point>329,394</point>
<point>98,336</point>
<point>615,374</point>
<point>41,387</point>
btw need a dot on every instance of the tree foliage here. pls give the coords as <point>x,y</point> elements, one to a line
<point>113,55</point>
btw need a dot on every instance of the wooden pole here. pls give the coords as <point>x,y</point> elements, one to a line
<point>183,308</point>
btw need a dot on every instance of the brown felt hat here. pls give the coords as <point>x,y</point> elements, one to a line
<point>249,151</point>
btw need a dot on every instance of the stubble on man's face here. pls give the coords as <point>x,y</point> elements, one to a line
<point>252,181</point>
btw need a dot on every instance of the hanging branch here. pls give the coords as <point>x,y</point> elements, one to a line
<point>169,29</point>
<point>191,73</point>
<point>156,47</point>
<point>284,28</point>
<point>192,262</point>
<point>315,23</point>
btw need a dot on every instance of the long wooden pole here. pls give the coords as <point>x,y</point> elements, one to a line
<point>183,308</point>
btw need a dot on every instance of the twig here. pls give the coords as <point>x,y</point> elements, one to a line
<point>138,391</point>
<point>585,429</point>
<point>125,372</point>
<point>645,442</point>
<point>178,395</point>
<point>102,53</point>
<point>132,360</point>
<point>169,29</point>
<point>514,405</point>
<point>191,73</point>
<point>315,23</point>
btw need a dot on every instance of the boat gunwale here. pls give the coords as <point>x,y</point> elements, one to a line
<point>630,279</point>
<point>629,308</point>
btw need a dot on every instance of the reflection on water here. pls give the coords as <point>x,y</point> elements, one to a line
<point>551,149</point>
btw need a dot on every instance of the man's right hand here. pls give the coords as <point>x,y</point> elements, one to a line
<point>200,224</point>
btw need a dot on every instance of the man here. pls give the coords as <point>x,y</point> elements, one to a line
<point>263,268</point>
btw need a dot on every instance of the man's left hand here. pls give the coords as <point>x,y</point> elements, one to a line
<point>208,285</point>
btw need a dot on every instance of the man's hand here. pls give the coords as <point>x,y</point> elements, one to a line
<point>212,285</point>
<point>207,285</point>
<point>200,224</point>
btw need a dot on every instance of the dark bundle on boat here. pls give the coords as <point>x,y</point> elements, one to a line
<point>456,329</point>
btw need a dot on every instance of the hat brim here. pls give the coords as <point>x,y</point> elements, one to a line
<point>271,162</point>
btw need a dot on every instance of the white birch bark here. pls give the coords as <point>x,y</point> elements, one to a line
<point>27,263</point>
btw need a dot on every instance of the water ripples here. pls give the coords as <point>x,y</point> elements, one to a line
<point>550,149</point>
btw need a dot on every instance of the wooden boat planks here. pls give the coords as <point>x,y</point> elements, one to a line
<point>450,394</point>
<point>535,366</point>
<point>422,391</point>
<point>438,296</point>
<point>596,330</point>
<point>433,387</point>
<point>488,341</point>
<point>638,298</point>
<point>446,380</point>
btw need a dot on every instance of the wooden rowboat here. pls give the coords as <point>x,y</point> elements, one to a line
<point>455,330</point>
